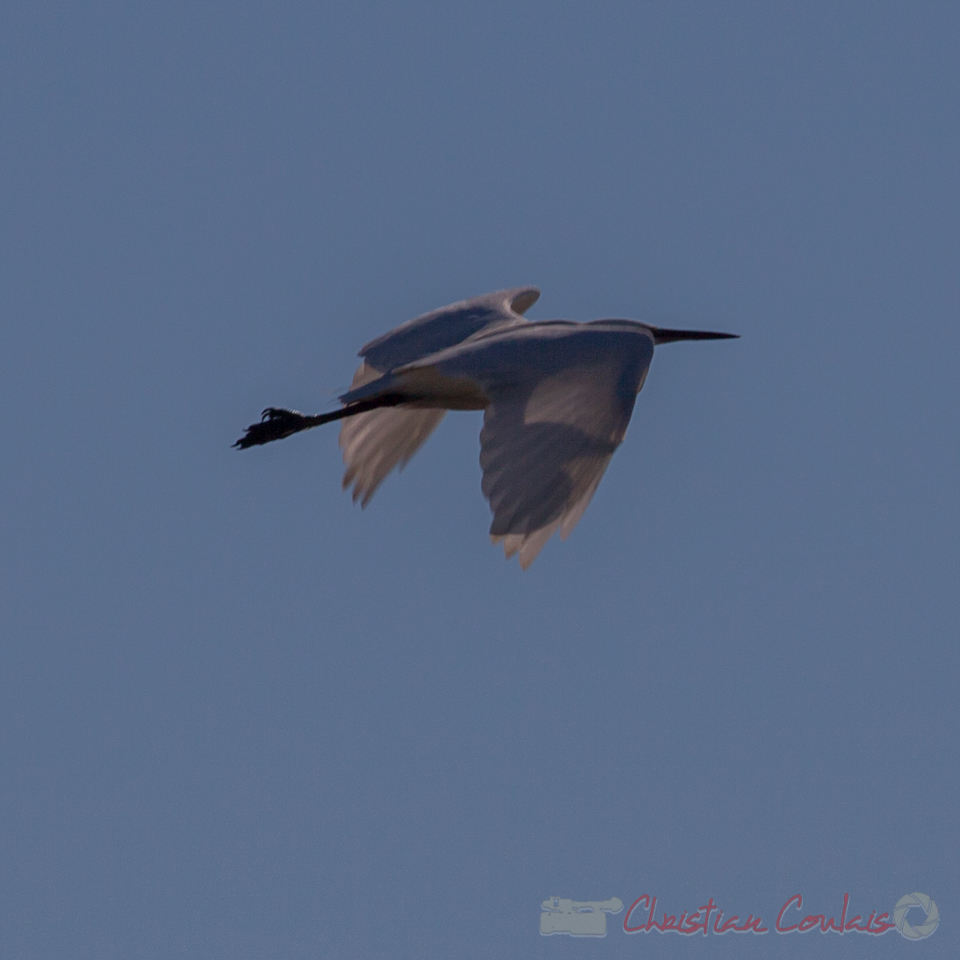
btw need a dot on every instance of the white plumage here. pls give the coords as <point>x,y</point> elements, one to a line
<point>557,398</point>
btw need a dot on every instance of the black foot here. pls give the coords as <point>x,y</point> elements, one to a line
<point>275,424</point>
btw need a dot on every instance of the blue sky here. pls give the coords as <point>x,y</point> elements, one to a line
<point>241,718</point>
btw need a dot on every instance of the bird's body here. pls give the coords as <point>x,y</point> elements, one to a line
<point>557,398</point>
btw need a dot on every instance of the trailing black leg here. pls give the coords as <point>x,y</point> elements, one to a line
<point>277,423</point>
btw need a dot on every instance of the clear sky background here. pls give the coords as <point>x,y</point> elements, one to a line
<point>240,718</point>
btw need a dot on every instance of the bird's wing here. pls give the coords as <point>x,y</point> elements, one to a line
<point>545,446</point>
<point>447,327</point>
<point>374,443</point>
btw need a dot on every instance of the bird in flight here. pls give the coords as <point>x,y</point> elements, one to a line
<point>556,398</point>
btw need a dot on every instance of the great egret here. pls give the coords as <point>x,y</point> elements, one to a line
<point>556,395</point>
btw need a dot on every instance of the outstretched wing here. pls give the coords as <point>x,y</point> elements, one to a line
<point>447,327</point>
<point>374,443</point>
<point>546,445</point>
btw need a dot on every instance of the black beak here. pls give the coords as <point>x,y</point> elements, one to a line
<point>670,336</point>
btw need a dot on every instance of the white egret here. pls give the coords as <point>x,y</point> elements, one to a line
<point>556,395</point>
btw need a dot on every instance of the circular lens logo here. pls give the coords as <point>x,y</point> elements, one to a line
<point>921,930</point>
